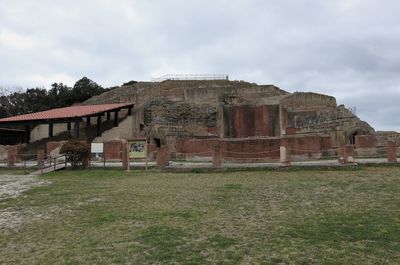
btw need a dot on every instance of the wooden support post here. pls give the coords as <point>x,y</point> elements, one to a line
<point>87,121</point>
<point>98,126</point>
<point>50,129</point>
<point>108,115</point>
<point>116,121</point>
<point>68,126</point>
<point>129,111</point>
<point>76,129</point>
<point>27,133</point>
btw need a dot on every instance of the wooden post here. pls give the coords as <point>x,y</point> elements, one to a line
<point>116,121</point>
<point>98,132</point>
<point>50,129</point>
<point>76,128</point>
<point>27,133</point>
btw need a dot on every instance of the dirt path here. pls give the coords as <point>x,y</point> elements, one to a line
<point>12,186</point>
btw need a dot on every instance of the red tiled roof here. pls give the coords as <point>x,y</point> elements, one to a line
<point>65,113</point>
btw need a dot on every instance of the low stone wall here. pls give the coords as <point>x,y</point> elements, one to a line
<point>195,147</point>
<point>251,150</point>
<point>307,147</point>
<point>260,149</point>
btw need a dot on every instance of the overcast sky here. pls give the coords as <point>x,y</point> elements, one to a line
<point>346,48</point>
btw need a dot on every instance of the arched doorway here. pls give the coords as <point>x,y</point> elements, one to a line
<point>352,137</point>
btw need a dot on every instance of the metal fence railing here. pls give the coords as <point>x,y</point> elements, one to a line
<point>191,77</point>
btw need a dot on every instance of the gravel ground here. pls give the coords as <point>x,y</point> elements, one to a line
<point>11,186</point>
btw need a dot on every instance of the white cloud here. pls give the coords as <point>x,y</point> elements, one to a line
<point>12,40</point>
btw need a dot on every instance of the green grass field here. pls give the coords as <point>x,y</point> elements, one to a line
<point>246,217</point>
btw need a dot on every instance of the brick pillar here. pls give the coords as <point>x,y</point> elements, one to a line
<point>391,152</point>
<point>346,154</point>
<point>40,158</point>
<point>341,155</point>
<point>163,156</point>
<point>124,155</point>
<point>12,154</point>
<point>349,153</point>
<point>217,156</point>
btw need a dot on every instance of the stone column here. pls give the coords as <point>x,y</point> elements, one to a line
<point>285,155</point>
<point>391,152</point>
<point>217,156</point>
<point>285,152</point>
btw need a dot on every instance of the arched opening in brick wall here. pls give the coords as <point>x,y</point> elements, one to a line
<point>157,142</point>
<point>352,138</point>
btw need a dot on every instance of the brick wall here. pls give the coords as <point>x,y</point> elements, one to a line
<point>306,147</point>
<point>250,150</point>
<point>257,149</point>
<point>246,121</point>
<point>196,147</point>
<point>365,145</point>
<point>112,150</point>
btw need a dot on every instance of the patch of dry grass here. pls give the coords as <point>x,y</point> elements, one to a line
<point>298,217</point>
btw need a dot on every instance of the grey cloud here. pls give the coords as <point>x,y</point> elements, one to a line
<point>345,48</point>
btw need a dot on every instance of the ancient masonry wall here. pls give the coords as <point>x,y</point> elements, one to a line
<point>247,121</point>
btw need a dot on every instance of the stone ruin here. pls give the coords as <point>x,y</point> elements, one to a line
<point>249,122</point>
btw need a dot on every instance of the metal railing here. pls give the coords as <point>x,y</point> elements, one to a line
<point>191,77</point>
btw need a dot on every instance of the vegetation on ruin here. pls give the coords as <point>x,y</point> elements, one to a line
<point>245,217</point>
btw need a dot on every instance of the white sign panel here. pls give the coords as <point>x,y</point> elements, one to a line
<point>97,147</point>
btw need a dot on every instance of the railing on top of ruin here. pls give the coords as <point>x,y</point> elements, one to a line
<point>192,77</point>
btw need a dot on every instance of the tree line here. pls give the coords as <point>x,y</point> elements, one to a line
<point>40,99</point>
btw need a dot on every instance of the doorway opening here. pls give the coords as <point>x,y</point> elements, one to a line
<point>352,139</point>
<point>157,142</point>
